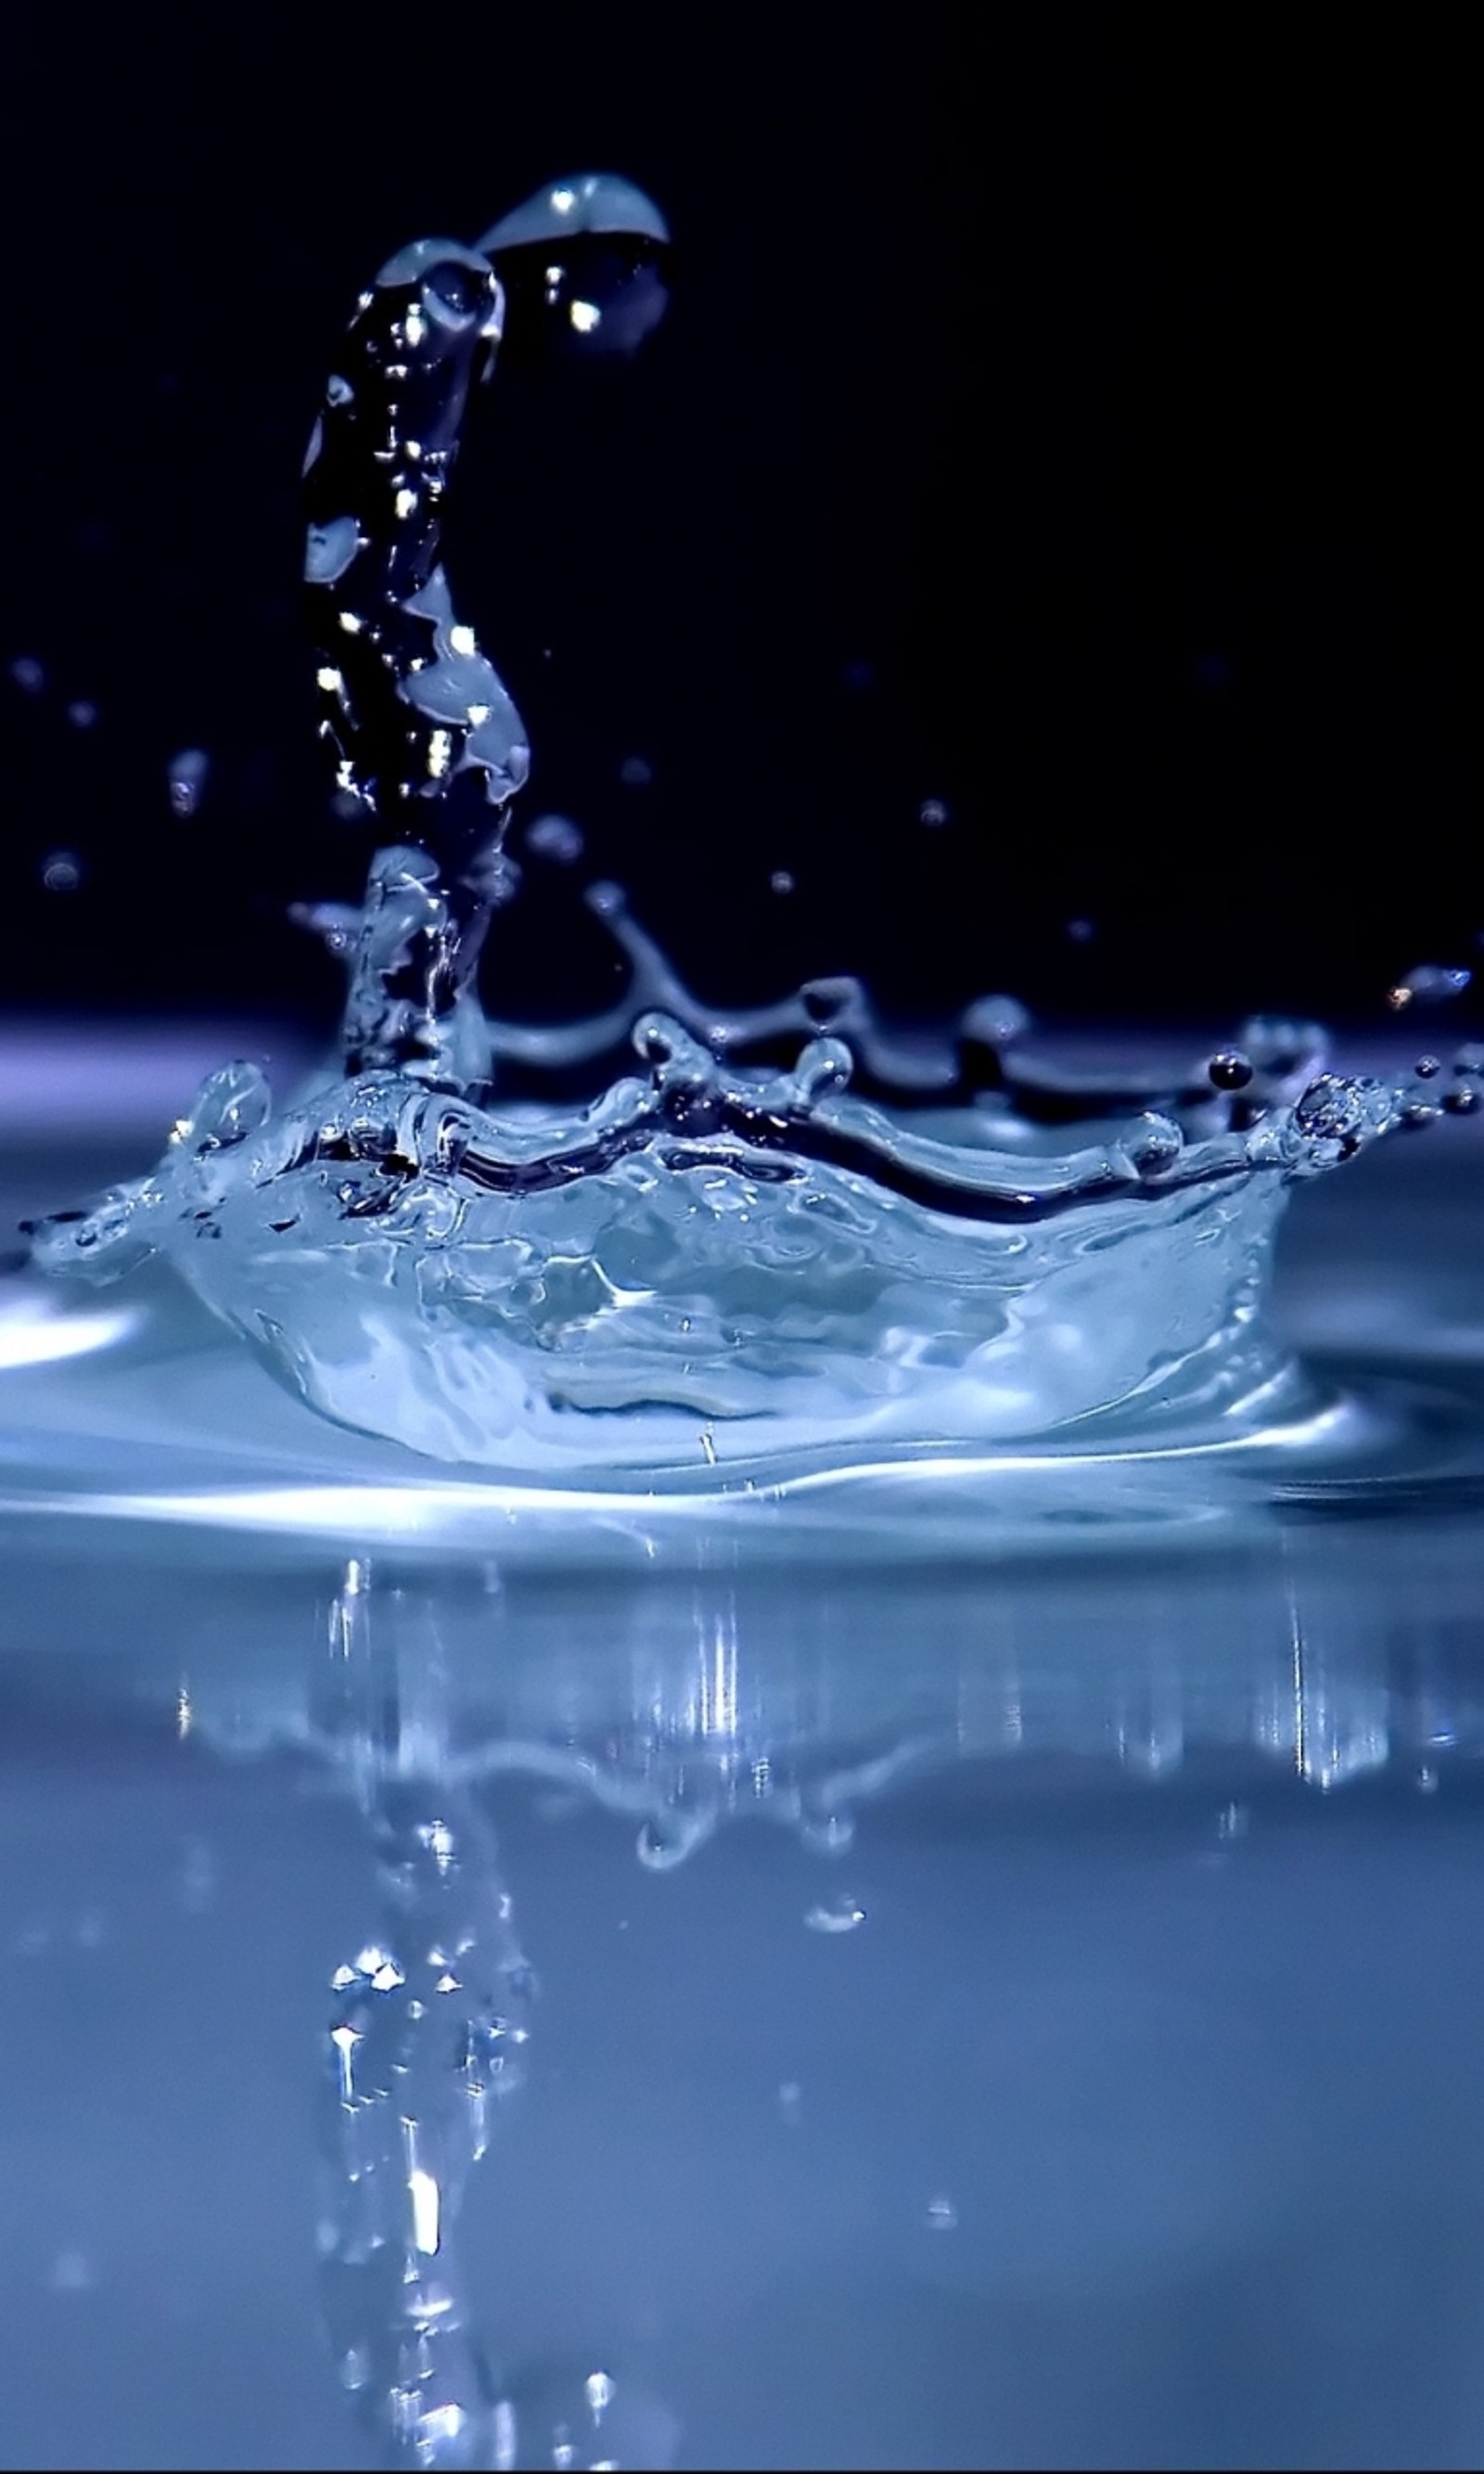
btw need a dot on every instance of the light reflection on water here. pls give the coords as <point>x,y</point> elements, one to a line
<point>1127,2121</point>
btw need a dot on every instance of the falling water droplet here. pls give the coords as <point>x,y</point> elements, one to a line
<point>932,813</point>
<point>1230,1069</point>
<point>555,838</point>
<point>635,773</point>
<point>943,2215</point>
<point>82,713</point>
<point>781,881</point>
<point>839,1915</point>
<point>61,872</point>
<point>1430,984</point>
<point>187,776</point>
<point>29,675</point>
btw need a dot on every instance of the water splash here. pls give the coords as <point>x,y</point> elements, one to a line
<point>669,1236</point>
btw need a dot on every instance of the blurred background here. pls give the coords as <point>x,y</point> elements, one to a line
<point>1034,552</point>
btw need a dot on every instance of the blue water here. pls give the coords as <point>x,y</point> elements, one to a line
<point>1000,1994</point>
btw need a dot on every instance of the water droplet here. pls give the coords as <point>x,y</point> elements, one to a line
<point>1232,1822</point>
<point>781,881</point>
<point>859,677</point>
<point>1430,984</point>
<point>635,773</point>
<point>29,675</point>
<point>61,872</point>
<point>599,2394</point>
<point>555,838</point>
<point>839,1915</point>
<point>830,1835</point>
<point>932,813</point>
<point>1153,1144</point>
<point>791,2102</point>
<point>1461,1100</point>
<point>1231,1069</point>
<point>995,1021</point>
<point>1081,931</point>
<point>1427,1780</point>
<point>72,2273</point>
<point>943,2215</point>
<point>187,776</point>
<point>1427,1067</point>
<point>82,714</point>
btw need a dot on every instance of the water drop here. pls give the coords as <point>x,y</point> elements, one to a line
<point>61,872</point>
<point>828,1834</point>
<point>1153,1144</point>
<point>1430,984</point>
<point>791,2102</point>
<point>555,838</point>
<point>599,2394</point>
<point>994,1022</point>
<point>1231,1069</point>
<point>82,714</point>
<point>859,677</point>
<point>781,881</point>
<point>29,675</point>
<point>1081,931</point>
<point>932,813</point>
<point>1461,1100</point>
<point>187,776</point>
<point>943,2215</point>
<point>1427,1067</point>
<point>839,1915</point>
<point>635,773</point>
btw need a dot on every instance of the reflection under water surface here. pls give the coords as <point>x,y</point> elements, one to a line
<point>998,2012</point>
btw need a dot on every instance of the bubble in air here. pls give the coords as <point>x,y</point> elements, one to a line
<point>841,1915</point>
<point>187,777</point>
<point>555,838</point>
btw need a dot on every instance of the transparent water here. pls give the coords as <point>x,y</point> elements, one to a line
<point>779,1777</point>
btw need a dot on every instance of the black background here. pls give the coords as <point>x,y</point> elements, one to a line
<point>1060,415</point>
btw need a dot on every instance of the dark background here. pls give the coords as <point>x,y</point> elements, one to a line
<point>1060,416</point>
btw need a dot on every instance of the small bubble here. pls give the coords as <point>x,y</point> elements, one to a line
<point>187,776</point>
<point>1229,1070</point>
<point>1153,1144</point>
<point>82,714</point>
<point>839,1915</point>
<point>29,675</point>
<point>932,813</point>
<point>781,881</point>
<point>555,838</point>
<point>943,2215</point>
<point>61,872</point>
<point>635,773</point>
